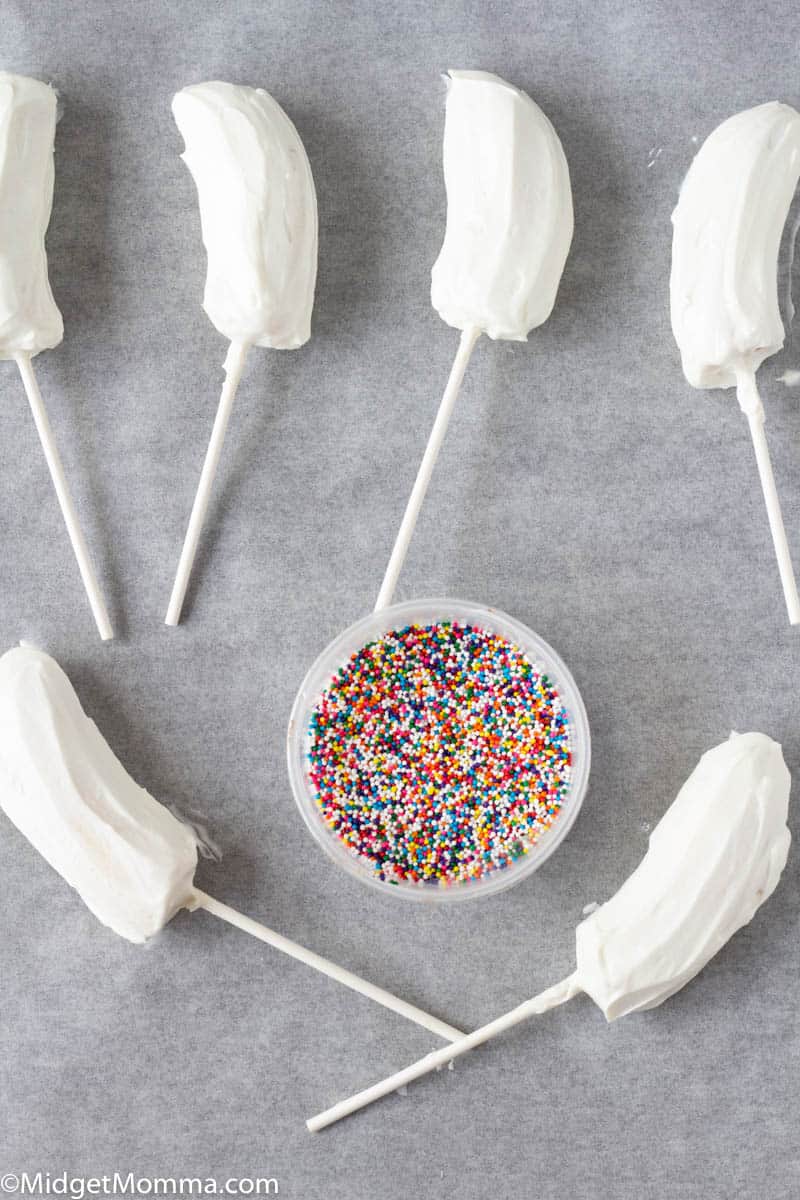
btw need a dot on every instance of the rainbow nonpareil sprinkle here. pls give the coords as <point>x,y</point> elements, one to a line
<point>439,754</point>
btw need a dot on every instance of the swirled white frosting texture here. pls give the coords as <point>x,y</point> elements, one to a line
<point>29,318</point>
<point>129,858</point>
<point>727,230</point>
<point>713,859</point>
<point>509,210</point>
<point>258,212</point>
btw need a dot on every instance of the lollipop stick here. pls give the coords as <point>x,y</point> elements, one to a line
<point>410,1011</point>
<point>750,402</point>
<point>64,498</point>
<point>558,994</point>
<point>234,365</point>
<point>465,347</point>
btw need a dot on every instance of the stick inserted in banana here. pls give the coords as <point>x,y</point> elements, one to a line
<point>130,860</point>
<point>728,224</point>
<point>714,858</point>
<point>258,213</point>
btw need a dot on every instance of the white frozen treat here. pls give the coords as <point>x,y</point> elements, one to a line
<point>509,210</point>
<point>724,283</point>
<point>715,856</point>
<point>129,859</point>
<point>727,231</point>
<point>258,212</point>
<point>29,318</point>
<point>509,228</point>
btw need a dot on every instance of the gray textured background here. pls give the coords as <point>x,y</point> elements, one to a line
<point>583,487</point>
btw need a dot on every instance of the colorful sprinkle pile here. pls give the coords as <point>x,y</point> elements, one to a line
<point>439,753</point>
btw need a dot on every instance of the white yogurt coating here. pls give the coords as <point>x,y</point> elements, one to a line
<point>715,856</point>
<point>29,318</point>
<point>509,210</point>
<point>728,224</point>
<point>258,212</point>
<point>713,859</point>
<point>130,860</point>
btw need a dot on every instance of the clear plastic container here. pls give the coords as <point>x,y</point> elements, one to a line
<point>427,612</point>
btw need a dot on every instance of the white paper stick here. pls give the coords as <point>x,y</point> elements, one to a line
<point>465,347</point>
<point>71,521</point>
<point>558,994</point>
<point>234,365</point>
<point>750,402</point>
<point>410,1011</point>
